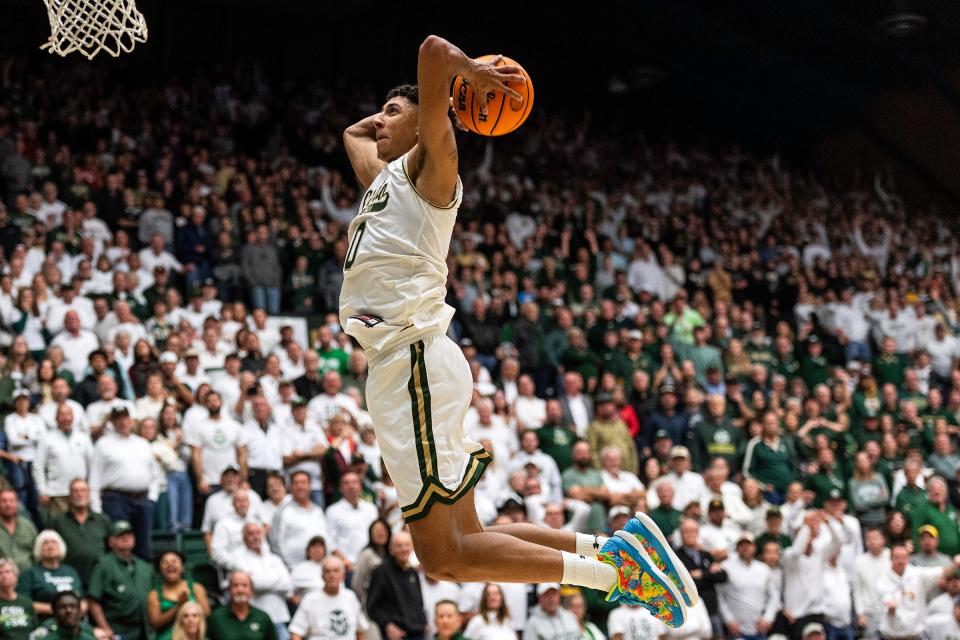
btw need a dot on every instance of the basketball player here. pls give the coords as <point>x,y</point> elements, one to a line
<point>419,385</point>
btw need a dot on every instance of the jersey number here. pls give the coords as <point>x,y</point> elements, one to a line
<point>354,245</point>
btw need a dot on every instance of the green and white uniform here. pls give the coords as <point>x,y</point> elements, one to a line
<point>392,301</point>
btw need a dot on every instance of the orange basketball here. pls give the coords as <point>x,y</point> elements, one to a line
<point>503,114</point>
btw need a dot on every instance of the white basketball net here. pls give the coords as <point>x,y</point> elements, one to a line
<point>92,26</point>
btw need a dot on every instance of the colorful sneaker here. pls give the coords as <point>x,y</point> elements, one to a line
<point>646,532</point>
<point>639,582</point>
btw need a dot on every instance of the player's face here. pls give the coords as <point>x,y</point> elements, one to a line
<point>396,128</point>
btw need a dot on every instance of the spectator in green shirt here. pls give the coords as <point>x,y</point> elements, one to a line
<point>582,481</point>
<point>939,513</point>
<point>18,619</point>
<point>666,517</point>
<point>17,532</point>
<point>238,620</point>
<point>49,575</point>
<point>65,623</point>
<point>911,497</point>
<point>814,368</point>
<point>331,356</point>
<point>557,436</point>
<point>889,366</point>
<point>83,531</point>
<point>119,587</point>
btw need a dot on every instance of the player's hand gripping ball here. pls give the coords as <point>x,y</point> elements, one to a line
<point>495,98</point>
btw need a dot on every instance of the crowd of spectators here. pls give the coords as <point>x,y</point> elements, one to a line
<point>762,359</point>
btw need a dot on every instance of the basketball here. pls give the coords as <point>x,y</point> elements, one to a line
<point>503,114</point>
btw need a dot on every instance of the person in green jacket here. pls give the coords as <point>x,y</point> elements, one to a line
<point>937,511</point>
<point>911,497</point>
<point>770,461</point>
<point>716,437</point>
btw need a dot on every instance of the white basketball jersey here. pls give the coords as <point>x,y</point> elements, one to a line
<point>395,272</point>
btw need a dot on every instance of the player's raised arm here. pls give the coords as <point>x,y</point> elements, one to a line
<point>360,141</point>
<point>433,165</point>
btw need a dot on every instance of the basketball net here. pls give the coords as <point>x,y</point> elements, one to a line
<point>92,26</point>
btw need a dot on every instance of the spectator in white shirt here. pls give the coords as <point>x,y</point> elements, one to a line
<point>157,255</point>
<point>23,431</point>
<point>331,402</point>
<point>98,412</point>
<point>945,626</point>
<point>213,445</point>
<point>331,612</point>
<point>719,535</point>
<point>748,600</point>
<point>688,486</point>
<point>77,344</point>
<point>624,486</point>
<point>220,503</point>
<point>304,445</point>
<point>349,519</point>
<point>63,455</point>
<point>59,395</point>
<point>852,327</point>
<point>306,575</point>
<point>125,479</point>
<point>837,607</point>
<point>297,521</point>
<point>530,411</point>
<point>260,446</point>
<point>228,532</point>
<point>530,453</point>
<point>867,601</point>
<point>804,564</point>
<point>270,578</point>
<point>943,603</point>
<point>944,350</point>
<point>481,423</point>
<point>904,589</point>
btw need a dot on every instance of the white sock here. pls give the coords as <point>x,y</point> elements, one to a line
<point>589,545</point>
<point>587,572</point>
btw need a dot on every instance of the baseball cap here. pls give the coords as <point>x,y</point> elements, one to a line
<point>230,468</point>
<point>118,411</point>
<point>668,388</point>
<point>774,512</point>
<point>929,528</point>
<point>298,401</point>
<point>120,527</point>
<point>635,334</point>
<point>813,340</point>
<point>466,342</point>
<point>662,434</point>
<point>192,353</point>
<point>603,397</point>
<point>679,451</point>
<point>619,510</point>
<point>813,627</point>
<point>21,393</point>
<point>835,494</point>
<point>169,356</point>
<point>716,503</point>
<point>546,586</point>
<point>745,536</point>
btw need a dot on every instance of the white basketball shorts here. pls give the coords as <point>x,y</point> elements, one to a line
<point>418,395</point>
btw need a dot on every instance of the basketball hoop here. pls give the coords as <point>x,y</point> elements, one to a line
<point>92,26</point>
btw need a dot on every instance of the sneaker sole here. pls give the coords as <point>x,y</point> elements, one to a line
<point>659,577</point>
<point>687,588</point>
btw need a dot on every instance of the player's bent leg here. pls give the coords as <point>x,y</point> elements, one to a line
<point>451,545</point>
<point>582,544</point>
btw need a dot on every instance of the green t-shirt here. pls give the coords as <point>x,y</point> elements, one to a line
<point>717,440</point>
<point>591,477</point>
<point>557,442</point>
<point>17,619</point>
<point>332,360</point>
<point>814,370</point>
<point>41,584</point>
<point>783,540</point>
<point>122,588</point>
<point>224,625</point>
<point>822,483</point>
<point>667,518</point>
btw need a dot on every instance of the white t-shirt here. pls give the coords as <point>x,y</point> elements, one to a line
<point>325,617</point>
<point>489,628</point>
<point>634,623</point>
<point>942,626</point>
<point>218,440</point>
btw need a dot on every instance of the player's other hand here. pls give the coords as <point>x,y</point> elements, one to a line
<point>488,78</point>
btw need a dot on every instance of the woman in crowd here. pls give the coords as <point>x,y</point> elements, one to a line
<point>174,591</point>
<point>190,623</point>
<point>20,365</point>
<point>48,575</point>
<point>306,576</point>
<point>588,631</point>
<point>492,621</point>
<point>173,456</point>
<point>370,558</point>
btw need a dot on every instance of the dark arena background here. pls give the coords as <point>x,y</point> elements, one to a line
<point>713,281</point>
